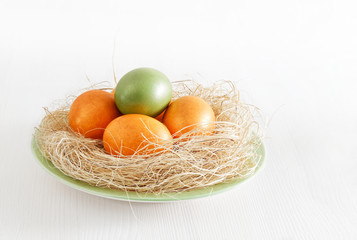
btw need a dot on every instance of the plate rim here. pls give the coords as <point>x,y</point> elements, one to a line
<point>141,197</point>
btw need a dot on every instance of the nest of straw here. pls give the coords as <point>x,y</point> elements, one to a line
<point>197,162</point>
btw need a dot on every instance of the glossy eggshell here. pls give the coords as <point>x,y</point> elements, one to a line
<point>91,112</point>
<point>143,91</point>
<point>160,117</point>
<point>188,113</point>
<point>130,134</point>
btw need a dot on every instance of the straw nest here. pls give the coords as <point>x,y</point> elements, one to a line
<point>197,162</point>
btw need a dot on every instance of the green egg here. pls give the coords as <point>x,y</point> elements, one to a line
<point>143,91</point>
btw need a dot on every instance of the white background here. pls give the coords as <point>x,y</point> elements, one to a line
<point>296,60</point>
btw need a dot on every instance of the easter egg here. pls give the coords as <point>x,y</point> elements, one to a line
<point>91,112</point>
<point>161,115</point>
<point>136,133</point>
<point>143,91</point>
<point>188,113</point>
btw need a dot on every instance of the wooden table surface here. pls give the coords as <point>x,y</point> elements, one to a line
<point>295,60</point>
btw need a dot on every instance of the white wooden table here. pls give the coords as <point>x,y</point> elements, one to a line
<point>296,60</point>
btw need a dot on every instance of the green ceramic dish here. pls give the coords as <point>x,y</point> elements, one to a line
<point>141,197</point>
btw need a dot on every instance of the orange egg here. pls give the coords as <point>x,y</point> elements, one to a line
<point>91,112</point>
<point>188,113</point>
<point>160,117</point>
<point>132,133</point>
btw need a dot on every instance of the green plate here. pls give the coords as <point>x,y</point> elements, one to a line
<point>141,197</point>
